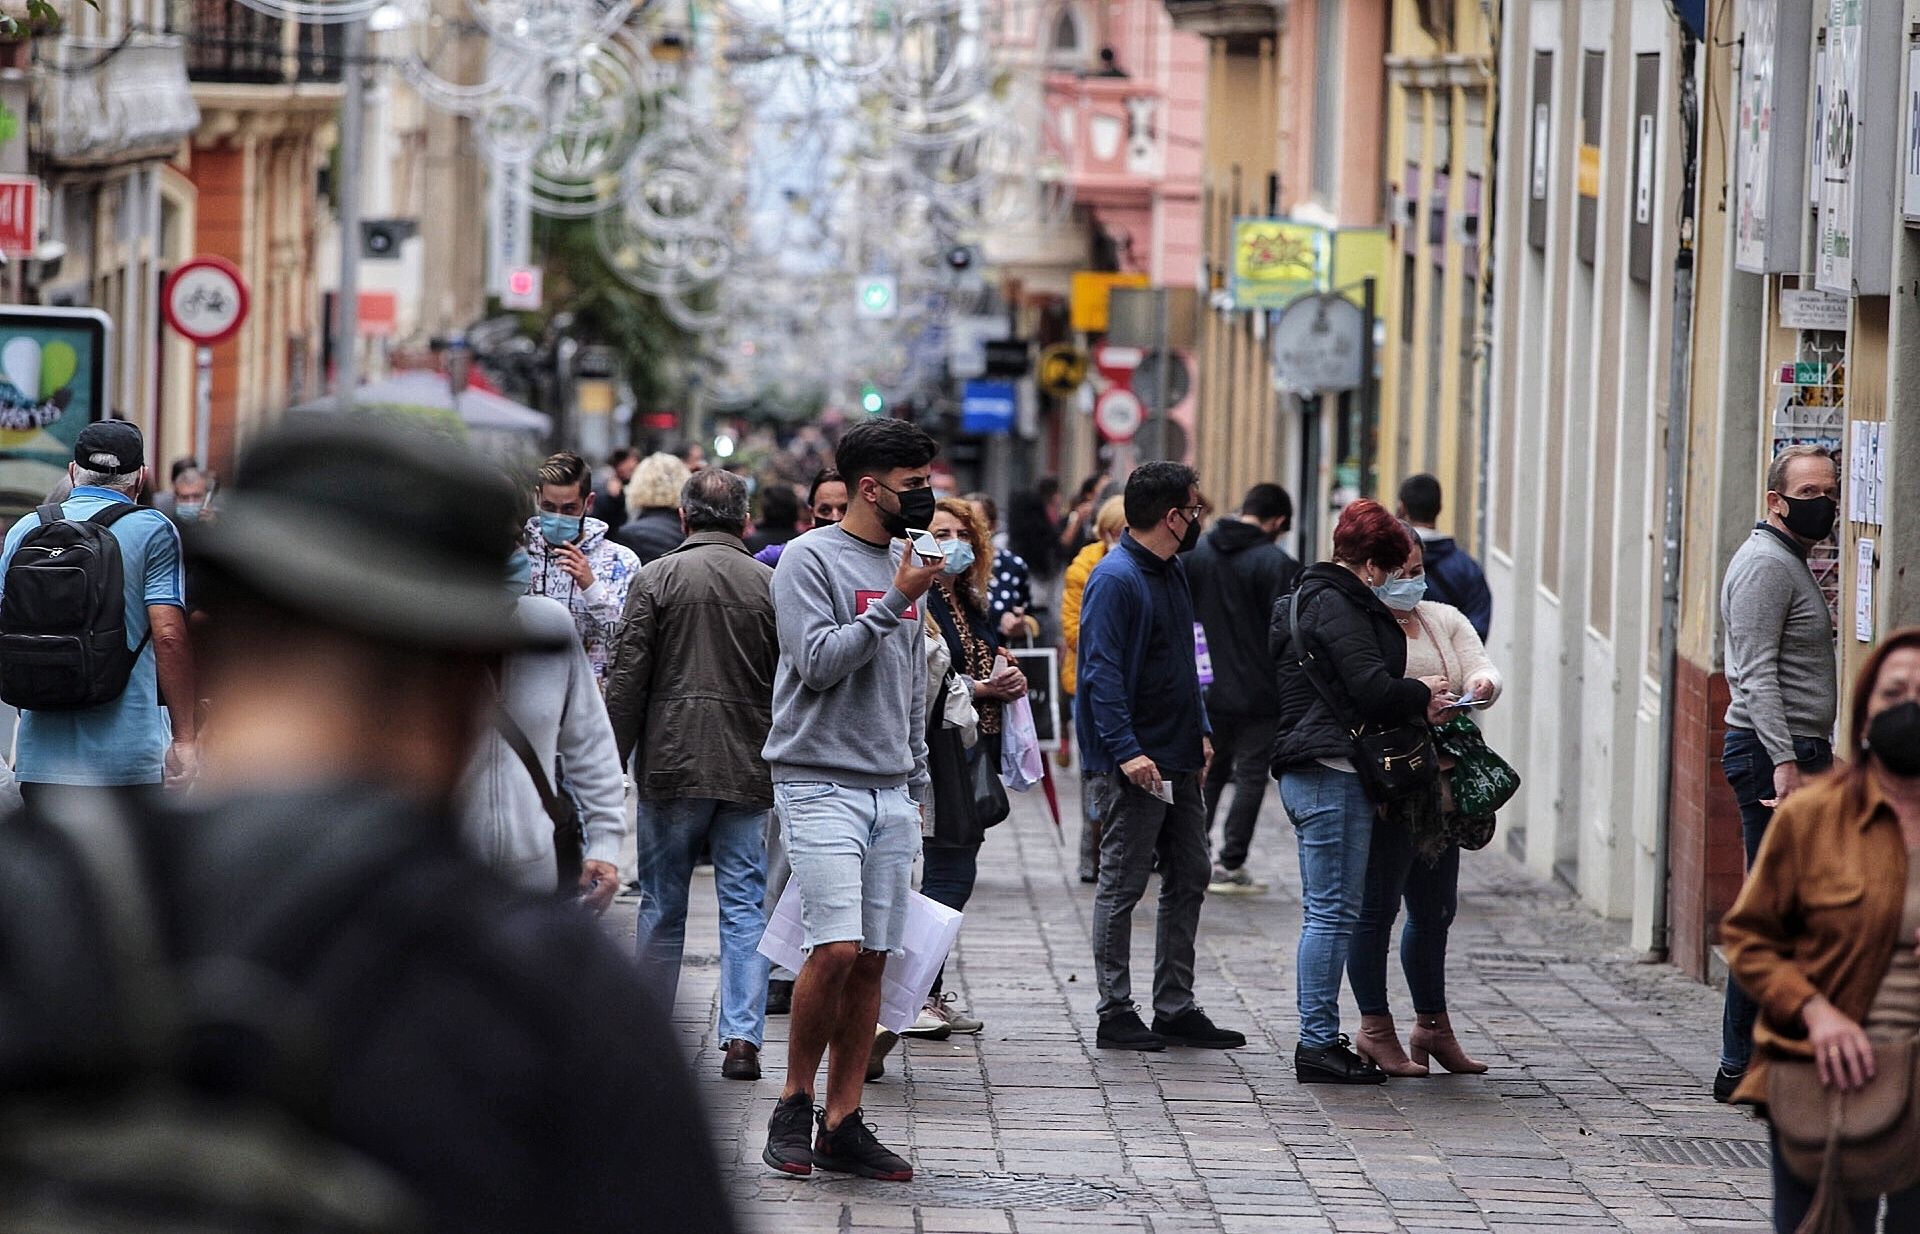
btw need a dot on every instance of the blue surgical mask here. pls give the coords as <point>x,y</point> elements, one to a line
<point>188,511</point>
<point>561,528</point>
<point>519,572</point>
<point>1403,594</point>
<point>959,554</point>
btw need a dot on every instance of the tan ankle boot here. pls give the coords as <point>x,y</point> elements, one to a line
<point>1380,1044</point>
<point>1433,1037</point>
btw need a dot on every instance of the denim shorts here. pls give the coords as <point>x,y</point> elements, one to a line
<point>852,852</point>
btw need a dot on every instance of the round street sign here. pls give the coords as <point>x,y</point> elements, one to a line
<point>1118,415</point>
<point>206,300</point>
<point>1146,380</point>
<point>1063,367</point>
<point>1318,342</point>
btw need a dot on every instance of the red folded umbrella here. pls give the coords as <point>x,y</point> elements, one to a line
<point>1053,795</point>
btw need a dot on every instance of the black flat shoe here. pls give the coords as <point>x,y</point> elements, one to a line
<point>1125,1032</point>
<point>1334,1064</point>
<point>1193,1029</point>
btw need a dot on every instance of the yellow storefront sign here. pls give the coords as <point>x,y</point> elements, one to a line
<point>1275,261</point>
<point>1089,293</point>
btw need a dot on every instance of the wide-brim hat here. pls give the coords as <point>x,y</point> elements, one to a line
<point>402,537</point>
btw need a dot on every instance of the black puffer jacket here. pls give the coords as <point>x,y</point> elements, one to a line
<point>1358,647</point>
<point>1236,574</point>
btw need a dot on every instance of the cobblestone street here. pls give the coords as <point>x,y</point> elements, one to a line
<point>1595,1116</point>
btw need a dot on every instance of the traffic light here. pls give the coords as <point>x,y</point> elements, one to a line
<point>871,400</point>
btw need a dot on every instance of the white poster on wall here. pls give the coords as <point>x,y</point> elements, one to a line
<point>1838,135</point>
<point>1816,158</point>
<point>1910,197</point>
<point>1863,593</point>
<point>1753,142</point>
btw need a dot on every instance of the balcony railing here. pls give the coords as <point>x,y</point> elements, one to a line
<point>231,43</point>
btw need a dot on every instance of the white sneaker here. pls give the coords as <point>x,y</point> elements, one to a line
<point>932,1024</point>
<point>958,1020</point>
<point>1234,882</point>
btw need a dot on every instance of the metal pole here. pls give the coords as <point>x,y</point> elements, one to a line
<point>1679,389</point>
<point>1310,502</point>
<point>1163,373</point>
<point>346,301</point>
<point>1369,390</point>
<point>202,405</point>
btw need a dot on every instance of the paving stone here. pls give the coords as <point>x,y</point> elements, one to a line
<point>1029,1129</point>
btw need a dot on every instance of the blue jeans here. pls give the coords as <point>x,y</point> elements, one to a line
<point>1432,895</point>
<point>1749,771</point>
<point>1792,1198</point>
<point>670,835</point>
<point>1334,819</point>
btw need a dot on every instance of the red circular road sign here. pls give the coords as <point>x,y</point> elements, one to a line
<point>206,300</point>
<point>1118,415</point>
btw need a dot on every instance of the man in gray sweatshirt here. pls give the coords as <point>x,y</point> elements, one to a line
<point>1781,676</point>
<point>849,763</point>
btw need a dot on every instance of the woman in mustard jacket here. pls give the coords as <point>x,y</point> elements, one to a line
<point>1108,523</point>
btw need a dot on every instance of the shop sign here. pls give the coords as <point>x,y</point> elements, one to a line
<point>1854,243</point>
<point>1276,261</point>
<point>53,383</point>
<point>1767,151</point>
<point>1089,294</point>
<point>1812,310</point>
<point>19,215</point>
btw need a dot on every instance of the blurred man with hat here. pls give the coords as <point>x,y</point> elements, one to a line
<point>132,739</point>
<point>490,1049</point>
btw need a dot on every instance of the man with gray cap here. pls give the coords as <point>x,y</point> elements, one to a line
<point>339,958</point>
<point>129,739</point>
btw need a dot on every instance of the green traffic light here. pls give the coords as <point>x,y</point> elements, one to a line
<point>871,401</point>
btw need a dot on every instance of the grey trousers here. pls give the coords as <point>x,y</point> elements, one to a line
<point>777,872</point>
<point>1139,830</point>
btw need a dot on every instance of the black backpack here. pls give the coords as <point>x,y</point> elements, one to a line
<point>101,1131</point>
<point>63,614</point>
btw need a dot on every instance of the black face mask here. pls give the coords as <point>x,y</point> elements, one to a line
<point>916,510</point>
<point>1810,518</point>
<point>1193,533</point>
<point>1894,739</point>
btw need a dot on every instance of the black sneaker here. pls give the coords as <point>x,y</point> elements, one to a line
<point>851,1148</point>
<point>779,997</point>
<point>1334,1064</point>
<point>1192,1028</point>
<point>788,1150</point>
<point>1124,1031</point>
<point>1725,1081</point>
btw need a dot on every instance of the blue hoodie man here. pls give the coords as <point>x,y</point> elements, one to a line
<point>1453,576</point>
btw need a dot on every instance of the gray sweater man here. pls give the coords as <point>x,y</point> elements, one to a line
<point>1781,676</point>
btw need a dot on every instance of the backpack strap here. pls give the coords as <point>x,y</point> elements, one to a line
<point>50,513</point>
<point>114,512</point>
<point>1308,664</point>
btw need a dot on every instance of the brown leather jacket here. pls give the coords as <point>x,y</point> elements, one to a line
<point>1818,914</point>
<point>692,679</point>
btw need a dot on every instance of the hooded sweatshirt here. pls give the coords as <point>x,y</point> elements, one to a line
<point>596,610</point>
<point>552,696</point>
<point>1237,575</point>
<point>1454,577</point>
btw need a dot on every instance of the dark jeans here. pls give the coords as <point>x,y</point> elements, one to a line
<point>1432,895</point>
<point>1749,770</point>
<point>1792,1198</point>
<point>1242,753</point>
<point>1140,829</point>
<point>946,877</point>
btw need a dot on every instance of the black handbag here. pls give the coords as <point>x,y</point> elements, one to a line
<point>968,795</point>
<point>1392,762</point>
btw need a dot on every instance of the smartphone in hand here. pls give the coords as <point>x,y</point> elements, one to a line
<point>925,545</point>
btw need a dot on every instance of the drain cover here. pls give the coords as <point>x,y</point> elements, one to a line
<point>1699,1150</point>
<point>994,1191</point>
<point>1533,959</point>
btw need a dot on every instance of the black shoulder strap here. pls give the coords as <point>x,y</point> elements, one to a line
<point>516,739</point>
<point>1308,664</point>
<point>114,512</point>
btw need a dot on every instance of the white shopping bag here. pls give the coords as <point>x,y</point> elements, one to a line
<point>931,931</point>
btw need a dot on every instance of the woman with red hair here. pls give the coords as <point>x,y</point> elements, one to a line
<point>1823,939</point>
<point>1351,642</point>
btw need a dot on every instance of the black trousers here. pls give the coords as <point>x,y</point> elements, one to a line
<point>1242,753</point>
